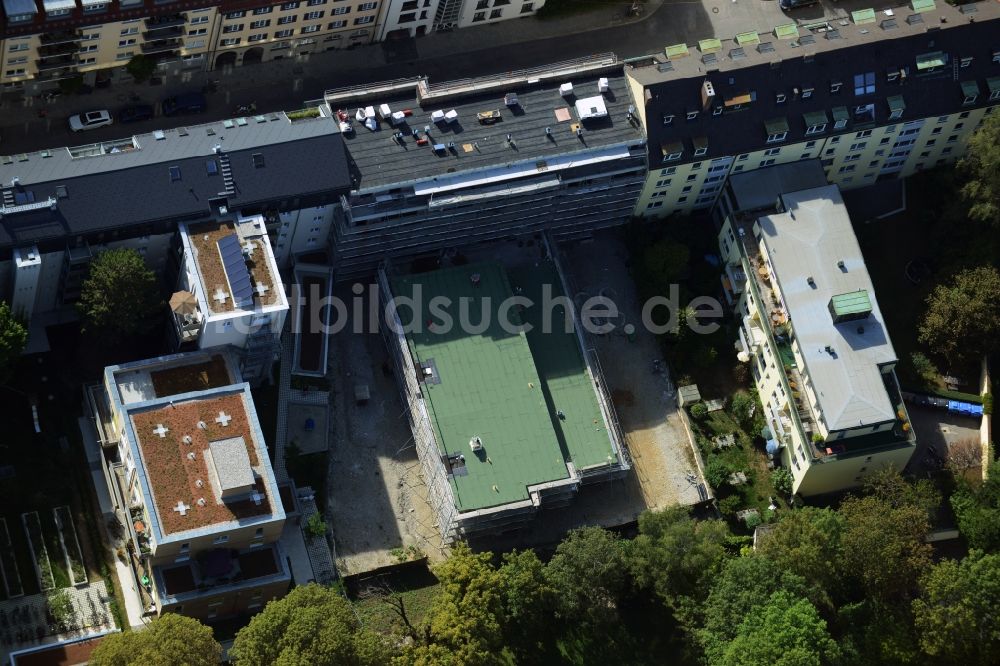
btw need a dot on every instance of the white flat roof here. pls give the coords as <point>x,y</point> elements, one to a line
<point>591,107</point>
<point>807,241</point>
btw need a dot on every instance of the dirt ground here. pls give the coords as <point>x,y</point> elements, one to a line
<point>643,394</point>
<point>377,497</point>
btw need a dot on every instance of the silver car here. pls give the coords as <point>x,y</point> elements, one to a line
<point>90,120</point>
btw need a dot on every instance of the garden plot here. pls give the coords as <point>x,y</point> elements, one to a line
<point>39,553</point>
<point>9,574</point>
<point>70,544</point>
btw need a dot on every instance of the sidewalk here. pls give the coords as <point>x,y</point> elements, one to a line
<point>285,84</point>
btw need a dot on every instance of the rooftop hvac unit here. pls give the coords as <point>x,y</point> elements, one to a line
<point>476,444</point>
<point>566,89</point>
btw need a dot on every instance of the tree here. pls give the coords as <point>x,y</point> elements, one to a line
<point>465,622</point>
<point>588,573</point>
<point>782,480</point>
<point>744,585</point>
<point>13,337</point>
<point>529,602</point>
<point>120,297</point>
<point>677,556</point>
<point>981,165</point>
<point>962,321</point>
<point>140,67</point>
<point>965,456</point>
<point>956,614</point>
<point>807,542</point>
<point>786,631</point>
<point>978,512</point>
<point>883,547</point>
<point>888,485</point>
<point>312,625</point>
<point>169,639</point>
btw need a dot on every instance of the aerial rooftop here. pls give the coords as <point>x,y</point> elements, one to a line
<point>843,354</point>
<point>381,160</point>
<point>92,188</point>
<point>198,448</point>
<point>235,265</point>
<point>504,390</point>
<point>919,62</point>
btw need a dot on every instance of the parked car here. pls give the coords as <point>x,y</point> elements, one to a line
<point>135,113</point>
<point>796,4</point>
<point>90,120</point>
<point>184,103</point>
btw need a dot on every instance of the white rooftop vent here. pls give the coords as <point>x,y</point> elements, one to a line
<point>191,455</point>
<point>159,135</point>
<point>384,111</point>
<point>201,501</point>
<point>199,483</point>
<point>602,85</point>
<point>202,425</point>
<point>591,107</point>
<point>566,89</point>
<point>186,439</point>
<point>476,443</point>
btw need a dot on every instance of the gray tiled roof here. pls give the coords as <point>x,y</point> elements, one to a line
<point>381,161</point>
<point>112,191</point>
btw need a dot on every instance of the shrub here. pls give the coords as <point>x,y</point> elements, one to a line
<point>753,520</point>
<point>699,411</point>
<point>741,406</point>
<point>924,367</point>
<point>781,479</point>
<point>728,506</point>
<point>316,526</point>
<point>988,404</point>
<point>717,472</point>
<point>818,438</point>
<point>302,114</point>
<point>60,607</point>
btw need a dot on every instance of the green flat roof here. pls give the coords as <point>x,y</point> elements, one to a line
<point>923,5</point>
<point>565,382</point>
<point>748,38</point>
<point>504,387</point>
<point>854,302</point>
<point>710,45</point>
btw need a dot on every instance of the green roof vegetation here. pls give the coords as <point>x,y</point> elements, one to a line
<point>505,388</point>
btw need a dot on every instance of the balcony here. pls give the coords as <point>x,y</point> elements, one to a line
<point>64,72</point>
<point>163,22</point>
<point>161,46</point>
<point>59,37</point>
<point>57,49</point>
<point>220,570</point>
<point>57,62</point>
<point>165,32</point>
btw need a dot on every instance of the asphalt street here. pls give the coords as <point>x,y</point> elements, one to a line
<point>467,53</point>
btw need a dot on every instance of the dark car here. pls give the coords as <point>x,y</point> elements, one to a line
<point>185,103</point>
<point>796,4</point>
<point>135,113</point>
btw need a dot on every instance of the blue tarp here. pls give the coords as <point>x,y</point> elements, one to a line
<point>967,408</point>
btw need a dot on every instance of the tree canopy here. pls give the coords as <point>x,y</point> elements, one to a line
<point>962,321</point>
<point>168,640</point>
<point>120,297</point>
<point>13,337</point>
<point>981,166</point>
<point>312,625</point>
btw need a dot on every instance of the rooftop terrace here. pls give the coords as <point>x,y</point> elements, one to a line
<point>177,375</point>
<point>528,398</point>
<point>381,160</point>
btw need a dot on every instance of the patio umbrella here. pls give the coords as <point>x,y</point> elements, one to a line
<point>183,302</point>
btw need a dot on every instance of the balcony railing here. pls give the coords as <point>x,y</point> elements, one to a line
<point>162,22</point>
<point>57,62</point>
<point>164,32</point>
<point>59,37</point>
<point>161,46</point>
<point>57,49</point>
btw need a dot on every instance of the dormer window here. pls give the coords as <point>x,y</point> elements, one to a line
<point>807,93</point>
<point>717,111</point>
<point>835,87</point>
<point>970,92</point>
<point>780,98</point>
<point>777,130</point>
<point>691,115</point>
<point>668,119</point>
<point>896,107</point>
<point>672,151</point>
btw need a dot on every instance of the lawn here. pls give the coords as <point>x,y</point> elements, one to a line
<point>413,582</point>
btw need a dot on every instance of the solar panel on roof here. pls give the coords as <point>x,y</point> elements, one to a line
<point>236,269</point>
<point>807,39</point>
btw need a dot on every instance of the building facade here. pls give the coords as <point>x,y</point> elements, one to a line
<point>811,330</point>
<point>204,512</point>
<point>880,97</point>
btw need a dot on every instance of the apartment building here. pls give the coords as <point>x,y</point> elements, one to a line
<point>204,513</point>
<point>811,329</point>
<point>230,291</point>
<point>883,95</point>
<point>60,207</point>
<point>505,423</point>
<point>438,166</point>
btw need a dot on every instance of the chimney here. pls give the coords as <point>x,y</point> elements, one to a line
<point>707,95</point>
